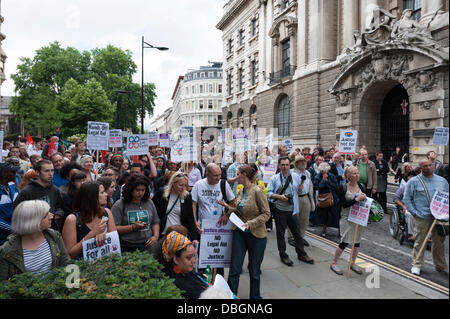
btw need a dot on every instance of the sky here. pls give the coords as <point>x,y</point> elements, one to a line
<point>186,27</point>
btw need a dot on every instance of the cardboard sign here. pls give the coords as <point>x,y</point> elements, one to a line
<point>137,144</point>
<point>97,136</point>
<point>153,138</point>
<point>185,149</point>
<point>289,144</point>
<point>115,138</point>
<point>439,205</point>
<point>215,244</point>
<point>359,213</point>
<point>164,140</point>
<point>92,252</point>
<point>440,135</point>
<point>347,142</point>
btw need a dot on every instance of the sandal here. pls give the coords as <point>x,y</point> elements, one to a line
<point>336,270</point>
<point>356,269</point>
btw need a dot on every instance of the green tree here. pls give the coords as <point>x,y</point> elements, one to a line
<point>80,103</point>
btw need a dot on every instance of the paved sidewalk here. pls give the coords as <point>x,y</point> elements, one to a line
<point>304,281</point>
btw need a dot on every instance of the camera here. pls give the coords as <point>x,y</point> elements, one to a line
<point>290,199</point>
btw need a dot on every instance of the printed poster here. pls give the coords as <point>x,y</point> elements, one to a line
<point>92,252</point>
<point>215,244</point>
<point>439,205</point>
<point>359,213</point>
<point>137,144</point>
<point>97,136</point>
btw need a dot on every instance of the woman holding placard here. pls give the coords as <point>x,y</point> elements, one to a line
<point>90,219</point>
<point>253,208</point>
<point>33,247</point>
<point>349,194</point>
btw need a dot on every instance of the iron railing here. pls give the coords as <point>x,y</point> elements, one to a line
<point>286,71</point>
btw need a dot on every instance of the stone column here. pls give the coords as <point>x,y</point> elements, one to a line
<point>366,12</point>
<point>350,22</point>
<point>328,26</point>
<point>302,31</point>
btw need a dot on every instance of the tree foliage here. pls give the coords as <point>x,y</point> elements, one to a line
<point>61,86</point>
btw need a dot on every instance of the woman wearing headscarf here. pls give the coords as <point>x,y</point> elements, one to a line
<point>179,259</point>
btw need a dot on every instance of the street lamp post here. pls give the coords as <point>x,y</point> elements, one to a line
<point>145,45</point>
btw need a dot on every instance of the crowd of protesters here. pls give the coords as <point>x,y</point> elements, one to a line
<point>56,197</point>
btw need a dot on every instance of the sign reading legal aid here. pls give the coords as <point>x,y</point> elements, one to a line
<point>347,142</point>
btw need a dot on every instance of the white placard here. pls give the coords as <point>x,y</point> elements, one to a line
<point>289,145</point>
<point>164,140</point>
<point>137,144</point>
<point>215,244</point>
<point>440,135</point>
<point>153,138</point>
<point>227,155</point>
<point>269,141</point>
<point>115,138</point>
<point>269,170</point>
<point>1,145</point>
<point>347,142</point>
<point>92,252</point>
<point>439,205</point>
<point>359,212</point>
<point>237,221</point>
<point>240,141</point>
<point>185,149</point>
<point>97,136</point>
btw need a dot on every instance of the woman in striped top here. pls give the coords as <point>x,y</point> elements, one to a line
<point>33,247</point>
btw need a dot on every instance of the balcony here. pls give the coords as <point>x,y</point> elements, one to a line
<point>286,71</point>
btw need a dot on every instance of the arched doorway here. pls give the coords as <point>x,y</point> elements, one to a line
<point>394,121</point>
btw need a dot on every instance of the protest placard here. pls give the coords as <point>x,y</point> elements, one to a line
<point>185,149</point>
<point>439,205</point>
<point>347,142</point>
<point>359,212</point>
<point>268,171</point>
<point>227,155</point>
<point>137,144</point>
<point>153,138</point>
<point>289,145</point>
<point>115,138</point>
<point>164,140</point>
<point>97,136</point>
<point>1,145</point>
<point>92,252</point>
<point>440,135</point>
<point>215,244</point>
<point>240,141</point>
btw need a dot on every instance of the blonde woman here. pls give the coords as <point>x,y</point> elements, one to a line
<point>33,247</point>
<point>87,164</point>
<point>174,205</point>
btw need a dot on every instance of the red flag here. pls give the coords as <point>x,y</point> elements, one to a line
<point>29,139</point>
<point>51,148</point>
<point>103,157</point>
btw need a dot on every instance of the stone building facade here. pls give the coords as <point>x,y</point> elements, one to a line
<point>313,67</point>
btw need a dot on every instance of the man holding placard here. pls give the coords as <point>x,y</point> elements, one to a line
<point>417,198</point>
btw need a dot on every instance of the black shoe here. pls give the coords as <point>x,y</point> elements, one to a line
<point>305,243</point>
<point>287,261</point>
<point>291,242</point>
<point>306,259</point>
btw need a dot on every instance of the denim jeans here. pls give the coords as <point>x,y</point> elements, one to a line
<point>243,242</point>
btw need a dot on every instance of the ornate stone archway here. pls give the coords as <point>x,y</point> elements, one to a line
<point>368,72</point>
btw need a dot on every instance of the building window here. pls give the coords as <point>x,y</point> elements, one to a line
<point>286,55</point>
<point>241,37</point>
<point>193,105</point>
<point>229,84</point>
<point>219,104</point>
<point>230,46</point>
<point>195,75</point>
<point>219,120</point>
<point>193,89</point>
<point>254,26</point>
<point>415,6</point>
<point>210,86</point>
<point>187,91</point>
<point>219,88</point>
<point>254,72</point>
<point>210,74</point>
<point>200,120</point>
<point>210,120</point>
<point>241,79</point>
<point>284,114</point>
<point>210,104</point>
<point>200,104</point>
<point>219,74</point>
<point>201,88</point>
<point>202,74</point>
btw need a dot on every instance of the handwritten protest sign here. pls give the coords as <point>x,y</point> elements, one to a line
<point>289,145</point>
<point>215,244</point>
<point>92,252</point>
<point>97,136</point>
<point>439,205</point>
<point>359,212</point>
<point>164,140</point>
<point>115,138</point>
<point>347,142</point>
<point>185,149</point>
<point>137,144</point>
<point>153,138</point>
<point>440,135</point>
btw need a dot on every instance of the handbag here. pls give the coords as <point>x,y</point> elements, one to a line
<point>325,200</point>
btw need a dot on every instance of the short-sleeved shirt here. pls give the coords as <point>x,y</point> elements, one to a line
<point>206,196</point>
<point>362,168</point>
<point>130,213</point>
